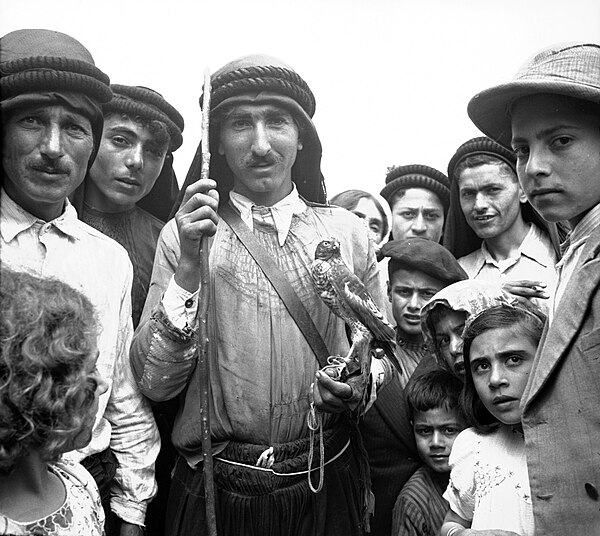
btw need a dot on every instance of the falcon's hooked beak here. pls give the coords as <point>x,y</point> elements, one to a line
<point>327,248</point>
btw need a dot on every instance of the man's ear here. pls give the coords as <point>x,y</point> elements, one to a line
<point>300,146</point>
<point>522,196</point>
<point>221,150</point>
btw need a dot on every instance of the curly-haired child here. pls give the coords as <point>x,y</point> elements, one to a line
<point>49,391</point>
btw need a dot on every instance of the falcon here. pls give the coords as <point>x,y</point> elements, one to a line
<point>346,295</point>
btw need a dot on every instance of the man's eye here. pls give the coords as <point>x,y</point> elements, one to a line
<point>240,123</point>
<point>514,360</point>
<point>451,431</point>
<point>75,127</point>
<point>480,366</point>
<point>423,431</point>
<point>29,121</point>
<point>561,141</point>
<point>277,121</point>
<point>433,216</point>
<point>521,152</point>
<point>466,194</point>
<point>120,141</point>
<point>443,341</point>
<point>427,294</point>
<point>407,214</point>
<point>155,152</point>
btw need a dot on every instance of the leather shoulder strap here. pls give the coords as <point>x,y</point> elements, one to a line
<point>280,283</point>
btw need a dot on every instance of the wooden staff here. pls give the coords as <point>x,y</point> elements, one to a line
<point>203,341</point>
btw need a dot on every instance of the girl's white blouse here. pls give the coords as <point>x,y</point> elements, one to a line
<point>489,483</point>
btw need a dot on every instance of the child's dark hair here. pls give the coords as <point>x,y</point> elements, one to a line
<point>432,390</point>
<point>531,323</point>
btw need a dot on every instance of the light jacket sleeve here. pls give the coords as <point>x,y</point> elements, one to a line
<point>134,436</point>
<point>162,355</point>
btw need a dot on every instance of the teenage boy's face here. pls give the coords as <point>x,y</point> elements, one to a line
<point>409,291</point>
<point>128,163</point>
<point>558,150</point>
<point>435,431</point>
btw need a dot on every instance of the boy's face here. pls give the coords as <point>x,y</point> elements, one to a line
<point>417,212</point>
<point>409,291</point>
<point>558,150</point>
<point>128,163</point>
<point>435,431</point>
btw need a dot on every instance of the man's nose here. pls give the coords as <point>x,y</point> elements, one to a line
<point>480,201</point>
<point>414,301</point>
<point>135,157</point>
<point>52,145</point>
<point>261,144</point>
<point>537,163</point>
<point>418,224</point>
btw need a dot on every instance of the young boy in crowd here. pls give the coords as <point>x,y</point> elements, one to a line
<point>436,420</point>
<point>418,269</point>
<point>549,114</point>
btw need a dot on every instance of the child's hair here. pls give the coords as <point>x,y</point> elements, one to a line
<point>47,335</point>
<point>531,323</point>
<point>433,390</point>
<point>349,199</point>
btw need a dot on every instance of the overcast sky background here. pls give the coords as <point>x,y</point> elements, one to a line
<point>392,78</point>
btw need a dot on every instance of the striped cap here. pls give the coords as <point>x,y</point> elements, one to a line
<point>417,176</point>
<point>148,104</point>
<point>44,60</point>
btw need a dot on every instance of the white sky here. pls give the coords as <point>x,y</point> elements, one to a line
<point>392,78</point>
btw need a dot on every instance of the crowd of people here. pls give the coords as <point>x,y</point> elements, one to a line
<point>135,313</point>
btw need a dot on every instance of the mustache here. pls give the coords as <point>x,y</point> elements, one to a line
<point>50,167</point>
<point>268,159</point>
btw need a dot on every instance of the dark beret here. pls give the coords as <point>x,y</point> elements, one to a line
<point>424,255</point>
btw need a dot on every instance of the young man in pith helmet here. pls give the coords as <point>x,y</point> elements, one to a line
<point>549,114</point>
<point>265,178</point>
<point>51,97</point>
<point>492,229</point>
